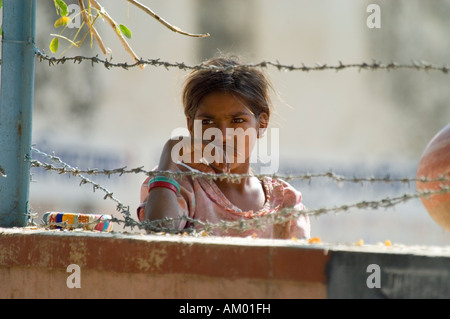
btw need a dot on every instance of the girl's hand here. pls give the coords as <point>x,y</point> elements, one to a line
<point>162,203</point>
<point>203,155</point>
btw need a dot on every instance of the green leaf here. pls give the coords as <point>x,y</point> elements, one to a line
<point>61,22</point>
<point>62,6</point>
<point>125,31</point>
<point>1,4</point>
<point>54,45</point>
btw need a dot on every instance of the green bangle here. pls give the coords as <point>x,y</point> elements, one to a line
<point>165,179</point>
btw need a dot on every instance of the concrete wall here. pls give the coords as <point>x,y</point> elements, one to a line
<point>33,264</point>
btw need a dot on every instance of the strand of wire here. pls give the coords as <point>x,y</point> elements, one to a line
<point>234,177</point>
<point>374,65</point>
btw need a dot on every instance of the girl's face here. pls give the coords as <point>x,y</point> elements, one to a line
<point>227,121</point>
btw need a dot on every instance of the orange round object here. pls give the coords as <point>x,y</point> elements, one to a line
<point>434,164</point>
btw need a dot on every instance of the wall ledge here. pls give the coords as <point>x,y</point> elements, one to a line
<point>33,264</point>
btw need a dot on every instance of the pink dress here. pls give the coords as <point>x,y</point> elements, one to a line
<point>201,199</point>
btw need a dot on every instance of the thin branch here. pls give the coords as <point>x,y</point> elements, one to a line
<point>91,27</point>
<point>67,39</point>
<point>115,26</point>
<point>164,22</point>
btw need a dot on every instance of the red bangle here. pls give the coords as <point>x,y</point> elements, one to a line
<point>163,184</point>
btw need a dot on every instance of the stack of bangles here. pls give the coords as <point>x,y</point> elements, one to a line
<point>166,182</point>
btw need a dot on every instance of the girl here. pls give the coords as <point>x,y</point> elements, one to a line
<point>224,101</point>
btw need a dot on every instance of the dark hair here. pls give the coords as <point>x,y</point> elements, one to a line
<point>248,83</point>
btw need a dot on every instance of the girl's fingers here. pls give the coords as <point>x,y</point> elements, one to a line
<point>204,153</point>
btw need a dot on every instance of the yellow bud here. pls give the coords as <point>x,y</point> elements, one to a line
<point>314,240</point>
<point>359,242</point>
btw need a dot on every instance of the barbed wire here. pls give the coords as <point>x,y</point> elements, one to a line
<point>123,209</point>
<point>374,65</point>
<point>282,216</point>
<point>166,225</point>
<point>234,177</point>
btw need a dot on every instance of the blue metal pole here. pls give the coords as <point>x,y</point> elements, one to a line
<point>16,105</point>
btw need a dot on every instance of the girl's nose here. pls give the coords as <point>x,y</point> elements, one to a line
<point>226,134</point>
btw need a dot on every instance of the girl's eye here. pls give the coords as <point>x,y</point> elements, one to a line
<point>238,120</point>
<point>207,122</point>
